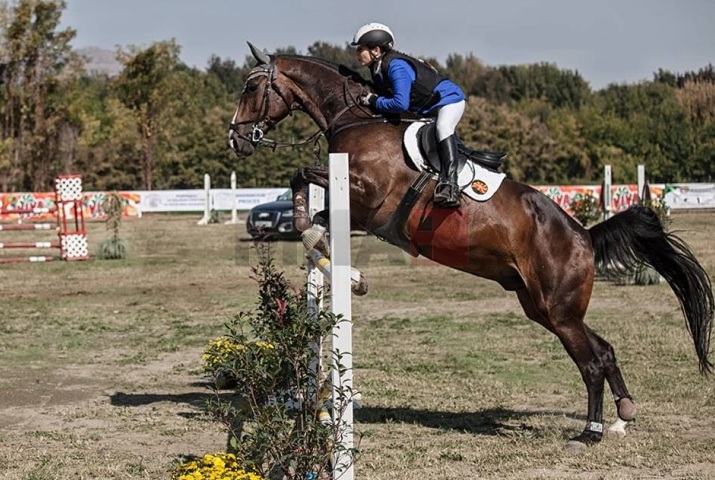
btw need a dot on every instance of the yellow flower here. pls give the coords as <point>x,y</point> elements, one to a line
<point>222,348</point>
<point>220,466</point>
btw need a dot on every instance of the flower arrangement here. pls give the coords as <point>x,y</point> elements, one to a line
<point>223,466</point>
<point>585,209</point>
<point>661,209</point>
<point>220,354</point>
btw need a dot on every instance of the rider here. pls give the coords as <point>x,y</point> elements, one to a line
<point>406,84</point>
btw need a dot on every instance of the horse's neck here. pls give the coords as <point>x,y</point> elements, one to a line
<point>323,91</point>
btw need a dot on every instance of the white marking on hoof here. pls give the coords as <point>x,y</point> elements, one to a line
<point>618,428</point>
<point>312,236</point>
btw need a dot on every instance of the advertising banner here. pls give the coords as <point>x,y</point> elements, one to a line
<point>677,196</point>
<point>690,195</point>
<point>622,196</point>
<point>195,200</point>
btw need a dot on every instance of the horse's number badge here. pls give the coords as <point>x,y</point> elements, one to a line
<point>480,187</point>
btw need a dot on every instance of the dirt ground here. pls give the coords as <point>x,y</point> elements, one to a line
<point>100,373</point>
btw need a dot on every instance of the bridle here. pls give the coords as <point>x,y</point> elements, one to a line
<point>263,122</point>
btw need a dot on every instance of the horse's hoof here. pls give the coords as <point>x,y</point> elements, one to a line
<point>359,288</point>
<point>586,439</point>
<point>618,428</point>
<point>626,409</point>
<point>574,446</point>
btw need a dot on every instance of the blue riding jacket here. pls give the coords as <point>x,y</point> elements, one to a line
<point>401,77</point>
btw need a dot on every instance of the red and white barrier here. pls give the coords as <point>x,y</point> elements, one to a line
<point>72,241</point>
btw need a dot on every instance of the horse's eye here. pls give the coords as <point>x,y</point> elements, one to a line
<point>252,87</point>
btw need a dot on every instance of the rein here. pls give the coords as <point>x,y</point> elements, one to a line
<point>263,121</point>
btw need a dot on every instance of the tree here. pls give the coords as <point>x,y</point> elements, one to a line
<point>146,87</point>
<point>651,128</point>
<point>338,55</point>
<point>38,67</point>
<point>697,98</point>
<point>562,88</point>
<point>228,73</point>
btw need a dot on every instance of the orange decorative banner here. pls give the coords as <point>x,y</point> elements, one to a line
<point>91,205</point>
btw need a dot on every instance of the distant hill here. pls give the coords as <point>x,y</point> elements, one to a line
<point>100,61</point>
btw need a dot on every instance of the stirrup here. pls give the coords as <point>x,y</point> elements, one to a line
<point>450,199</point>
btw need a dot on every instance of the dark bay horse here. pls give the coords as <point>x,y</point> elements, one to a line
<point>519,238</point>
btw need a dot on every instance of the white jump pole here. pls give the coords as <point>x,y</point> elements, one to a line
<point>641,182</point>
<point>607,192</point>
<point>316,203</point>
<point>234,201</point>
<point>315,291</point>
<point>207,206</point>
<point>341,303</point>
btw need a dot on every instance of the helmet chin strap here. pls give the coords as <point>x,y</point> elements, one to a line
<point>376,61</point>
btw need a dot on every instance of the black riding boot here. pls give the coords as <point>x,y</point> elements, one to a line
<point>446,193</point>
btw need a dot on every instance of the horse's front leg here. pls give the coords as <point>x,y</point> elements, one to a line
<point>317,175</point>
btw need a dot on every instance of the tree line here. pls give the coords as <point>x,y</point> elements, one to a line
<point>160,124</point>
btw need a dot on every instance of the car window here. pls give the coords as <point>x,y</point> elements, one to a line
<point>287,195</point>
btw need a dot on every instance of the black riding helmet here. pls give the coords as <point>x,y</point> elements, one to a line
<point>374,35</point>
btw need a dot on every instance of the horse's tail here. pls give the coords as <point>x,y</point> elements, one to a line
<point>636,236</point>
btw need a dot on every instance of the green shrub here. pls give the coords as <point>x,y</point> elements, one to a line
<point>269,356</point>
<point>113,248</point>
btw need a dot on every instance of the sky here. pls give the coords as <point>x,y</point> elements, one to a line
<point>606,41</point>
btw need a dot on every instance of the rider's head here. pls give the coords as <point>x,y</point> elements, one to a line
<point>372,41</point>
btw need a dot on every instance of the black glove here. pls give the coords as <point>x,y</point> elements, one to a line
<point>369,100</point>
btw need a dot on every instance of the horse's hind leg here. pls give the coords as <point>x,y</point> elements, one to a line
<point>565,320</point>
<point>625,406</point>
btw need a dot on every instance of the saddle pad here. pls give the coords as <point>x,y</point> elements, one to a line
<point>475,181</point>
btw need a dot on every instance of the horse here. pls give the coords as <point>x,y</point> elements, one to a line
<point>519,238</point>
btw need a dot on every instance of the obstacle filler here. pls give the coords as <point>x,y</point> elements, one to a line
<point>69,222</point>
<point>342,279</point>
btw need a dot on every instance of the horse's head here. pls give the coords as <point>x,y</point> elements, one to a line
<point>266,100</point>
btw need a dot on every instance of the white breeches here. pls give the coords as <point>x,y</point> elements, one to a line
<point>447,119</point>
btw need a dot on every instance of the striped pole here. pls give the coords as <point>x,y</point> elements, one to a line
<point>30,226</point>
<point>38,259</point>
<point>30,245</point>
<point>358,284</point>
<point>10,211</point>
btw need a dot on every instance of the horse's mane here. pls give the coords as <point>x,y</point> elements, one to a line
<point>340,69</point>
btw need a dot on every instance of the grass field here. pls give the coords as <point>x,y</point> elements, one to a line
<point>100,365</point>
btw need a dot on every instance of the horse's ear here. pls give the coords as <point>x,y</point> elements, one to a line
<point>261,56</point>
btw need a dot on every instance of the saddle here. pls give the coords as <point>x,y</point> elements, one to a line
<point>427,140</point>
<point>478,174</point>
